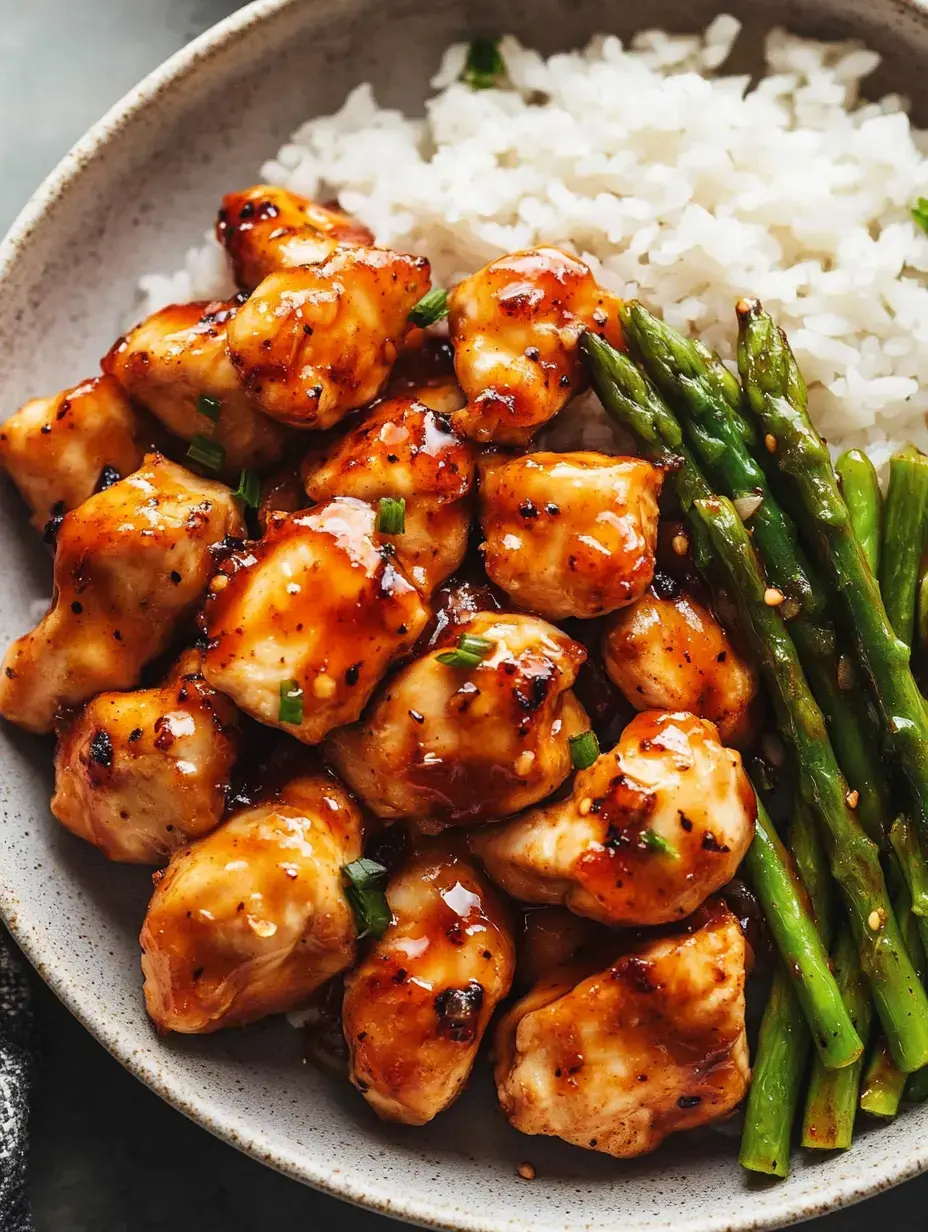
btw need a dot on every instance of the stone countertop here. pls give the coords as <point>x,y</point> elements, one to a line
<point>107,1154</point>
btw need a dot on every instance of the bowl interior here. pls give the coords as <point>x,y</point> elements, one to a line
<point>134,199</point>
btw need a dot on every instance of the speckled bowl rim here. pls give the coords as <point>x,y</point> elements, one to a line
<point>329,1177</point>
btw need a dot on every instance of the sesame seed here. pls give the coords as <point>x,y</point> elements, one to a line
<point>585,806</point>
<point>524,763</point>
<point>680,544</point>
<point>852,799</point>
<point>874,921</point>
<point>527,1171</point>
<point>324,686</point>
<point>773,597</point>
<point>771,443</point>
<point>219,582</point>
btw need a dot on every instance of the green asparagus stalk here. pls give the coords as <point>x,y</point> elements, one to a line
<point>903,540</point>
<point>811,861</point>
<point>831,1098</point>
<point>921,615</point>
<point>904,842</point>
<point>786,909</point>
<point>899,997</point>
<point>690,379</point>
<point>861,491</point>
<point>776,1080</point>
<point>883,1084</point>
<point>776,394</point>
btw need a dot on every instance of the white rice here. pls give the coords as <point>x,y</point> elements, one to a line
<point>682,187</point>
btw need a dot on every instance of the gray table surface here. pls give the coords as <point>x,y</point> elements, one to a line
<point>107,1154</point>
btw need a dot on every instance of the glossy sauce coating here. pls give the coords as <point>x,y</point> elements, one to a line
<point>316,601</point>
<point>312,344</point>
<point>515,326</point>
<point>570,534</point>
<point>141,774</point>
<point>672,654</point>
<point>59,451</point>
<point>600,851</point>
<point>131,565</point>
<point>264,228</point>
<point>617,1059</point>
<point>417,1005</point>
<point>252,919</point>
<point>178,355</point>
<point>404,449</point>
<point>452,745</point>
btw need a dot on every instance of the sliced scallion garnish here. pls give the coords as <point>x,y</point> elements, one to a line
<point>249,489</point>
<point>470,651</point>
<point>209,454</point>
<point>484,67</point>
<point>656,842</point>
<point>391,516</point>
<point>291,702</point>
<point>431,308</point>
<point>920,213</point>
<point>584,749</point>
<point>210,407</point>
<point>364,888</point>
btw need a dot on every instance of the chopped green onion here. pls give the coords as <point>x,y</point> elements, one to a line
<point>364,881</point>
<point>920,213</point>
<point>206,452</point>
<point>391,516</point>
<point>484,66</point>
<point>291,702</point>
<point>654,842</point>
<point>431,308</point>
<point>210,407</point>
<point>249,489</point>
<point>469,652</point>
<point>584,749</point>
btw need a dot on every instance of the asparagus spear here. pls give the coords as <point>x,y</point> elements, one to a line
<point>728,448</point>
<point>831,1098</point>
<point>776,1080</point>
<point>786,909</point>
<point>811,862</point>
<point>776,394</point>
<point>899,997</point>
<point>903,538</point>
<point>861,491</point>
<point>904,842</point>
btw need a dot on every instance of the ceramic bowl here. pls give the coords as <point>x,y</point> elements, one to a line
<point>140,188</point>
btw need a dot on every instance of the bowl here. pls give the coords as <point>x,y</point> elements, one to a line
<point>140,188</point>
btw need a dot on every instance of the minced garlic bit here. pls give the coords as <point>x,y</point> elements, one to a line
<point>585,805</point>
<point>524,763</point>
<point>852,798</point>
<point>771,442</point>
<point>324,686</point>
<point>773,597</point>
<point>219,582</point>
<point>527,1171</point>
<point>680,544</point>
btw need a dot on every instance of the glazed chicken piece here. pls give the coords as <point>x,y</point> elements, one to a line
<point>175,363</point>
<point>141,774</point>
<point>264,229</point>
<point>570,534</point>
<point>552,937</point>
<point>405,450</point>
<point>253,918</point>
<point>59,451</point>
<point>312,344</point>
<point>615,1059</point>
<point>668,652</point>
<point>417,1006</point>
<point>450,745</point>
<point>316,609</point>
<point>132,564</point>
<point>649,831</point>
<point>516,326</point>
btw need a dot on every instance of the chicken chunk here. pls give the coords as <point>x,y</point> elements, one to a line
<point>141,774</point>
<point>668,652</point>
<point>59,451</point>
<point>570,534</point>
<point>552,937</point>
<point>264,229</point>
<point>253,918</point>
<point>649,831</point>
<point>132,564</point>
<point>449,745</point>
<point>417,1006</point>
<point>176,364</point>
<point>316,609</point>
<point>312,344</point>
<point>616,1059</point>
<point>516,326</point>
<point>404,450</point>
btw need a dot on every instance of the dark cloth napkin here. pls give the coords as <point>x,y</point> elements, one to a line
<point>15,1077</point>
